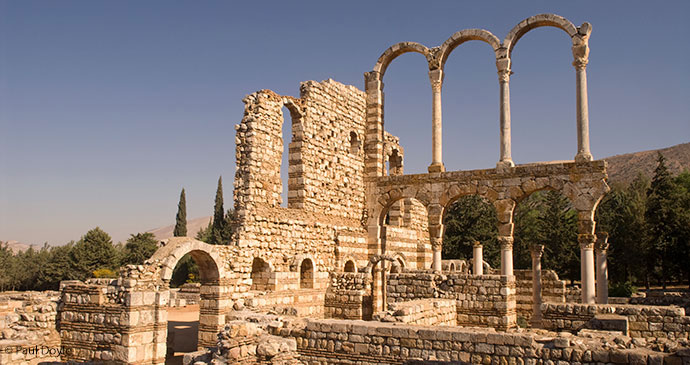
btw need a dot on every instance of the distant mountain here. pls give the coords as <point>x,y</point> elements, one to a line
<point>624,168</point>
<point>17,246</point>
<point>193,227</point>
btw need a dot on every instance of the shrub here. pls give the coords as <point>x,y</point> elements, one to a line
<point>625,289</point>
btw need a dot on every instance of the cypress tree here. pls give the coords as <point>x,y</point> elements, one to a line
<point>660,216</point>
<point>181,219</point>
<point>218,227</point>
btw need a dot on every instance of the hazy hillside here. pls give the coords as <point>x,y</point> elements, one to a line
<point>624,168</point>
<point>193,226</point>
<point>17,246</point>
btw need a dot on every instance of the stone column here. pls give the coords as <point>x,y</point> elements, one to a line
<point>602,273</point>
<point>436,78</point>
<point>536,251</point>
<point>503,66</point>
<point>477,258</point>
<point>506,255</point>
<point>581,58</point>
<point>587,267</point>
<point>436,245</point>
<point>373,146</point>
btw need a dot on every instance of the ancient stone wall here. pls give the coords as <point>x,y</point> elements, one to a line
<point>424,312</point>
<point>187,294</point>
<point>486,300</point>
<point>644,321</point>
<point>348,296</point>
<point>323,219</point>
<point>28,332</point>
<point>356,342</point>
<point>552,290</point>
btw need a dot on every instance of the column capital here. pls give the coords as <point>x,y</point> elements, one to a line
<point>580,56</point>
<point>536,251</point>
<point>506,242</point>
<point>372,76</point>
<point>586,241</point>
<point>436,243</point>
<point>477,244</point>
<point>602,242</point>
<point>436,78</point>
<point>504,72</point>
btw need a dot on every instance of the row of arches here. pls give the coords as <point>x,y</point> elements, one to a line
<point>263,276</point>
<point>436,58</point>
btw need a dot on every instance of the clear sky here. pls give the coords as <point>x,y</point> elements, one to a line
<point>109,108</point>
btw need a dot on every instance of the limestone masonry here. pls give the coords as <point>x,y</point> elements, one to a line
<point>349,269</point>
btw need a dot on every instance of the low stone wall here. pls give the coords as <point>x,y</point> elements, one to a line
<point>552,290</point>
<point>485,301</point>
<point>643,321</point>
<point>27,327</point>
<point>357,342</point>
<point>681,299</point>
<point>348,296</point>
<point>573,294</point>
<point>426,312</point>
<point>187,294</point>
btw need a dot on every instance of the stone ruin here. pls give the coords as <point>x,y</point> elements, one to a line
<point>350,271</point>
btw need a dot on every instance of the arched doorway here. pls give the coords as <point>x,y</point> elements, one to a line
<point>306,274</point>
<point>193,326</point>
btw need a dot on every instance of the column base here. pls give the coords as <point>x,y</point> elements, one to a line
<point>437,167</point>
<point>505,163</point>
<point>583,157</point>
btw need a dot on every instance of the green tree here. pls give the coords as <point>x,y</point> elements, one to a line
<point>181,218</point>
<point>469,219</point>
<point>622,214</point>
<point>681,251</point>
<point>186,271</point>
<point>92,252</point>
<point>57,268</point>
<point>660,216</point>
<point>139,248</point>
<point>558,230</point>
<point>218,225</point>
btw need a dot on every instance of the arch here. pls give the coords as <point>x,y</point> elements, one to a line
<point>354,143</point>
<point>306,274</point>
<point>173,249</point>
<point>396,50</point>
<point>350,266</point>
<point>536,21</point>
<point>451,267</point>
<point>261,275</point>
<point>376,259</point>
<point>468,35</point>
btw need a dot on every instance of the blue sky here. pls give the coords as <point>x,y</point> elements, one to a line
<point>109,108</point>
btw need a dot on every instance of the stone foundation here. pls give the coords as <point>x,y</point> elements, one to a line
<point>28,333</point>
<point>485,301</point>
<point>644,321</point>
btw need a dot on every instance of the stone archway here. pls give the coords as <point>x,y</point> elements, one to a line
<point>211,271</point>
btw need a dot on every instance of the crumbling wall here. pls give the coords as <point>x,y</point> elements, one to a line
<point>424,312</point>
<point>552,290</point>
<point>323,218</point>
<point>348,296</point>
<point>28,333</point>
<point>486,300</point>
<point>407,233</point>
<point>644,321</point>
<point>350,342</point>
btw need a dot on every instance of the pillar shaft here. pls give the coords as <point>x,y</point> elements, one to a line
<point>504,72</point>
<point>373,147</point>
<point>477,259</point>
<point>436,247</point>
<point>581,57</point>
<point>536,251</point>
<point>602,275</point>
<point>506,255</point>
<point>436,78</point>
<point>587,267</point>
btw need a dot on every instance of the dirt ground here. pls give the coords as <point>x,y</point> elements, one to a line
<point>183,329</point>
